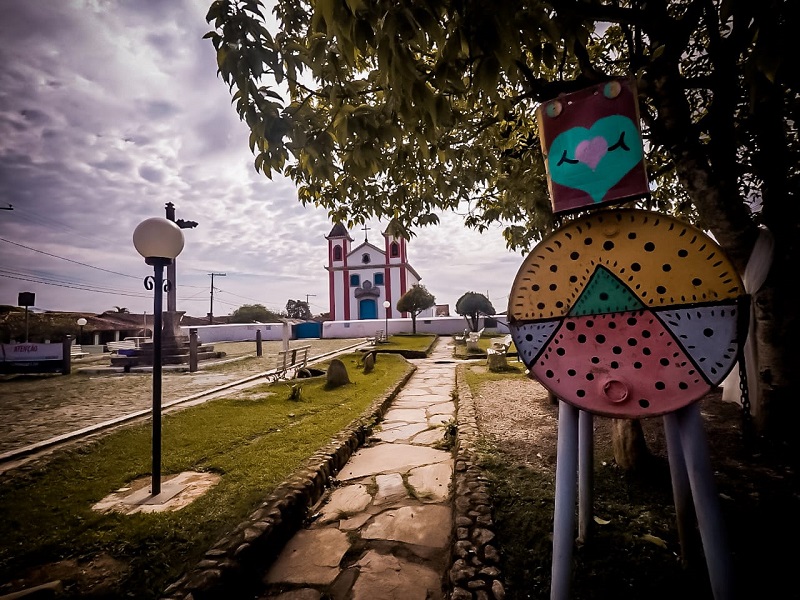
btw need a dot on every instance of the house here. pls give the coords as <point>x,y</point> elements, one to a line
<point>361,279</point>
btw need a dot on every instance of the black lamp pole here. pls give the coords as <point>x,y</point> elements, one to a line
<point>159,241</point>
<point>156,283</point>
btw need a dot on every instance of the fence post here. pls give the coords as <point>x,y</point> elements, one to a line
<point>258,342</point>
<point>192,350</point>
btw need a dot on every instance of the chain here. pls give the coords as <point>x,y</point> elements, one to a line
<point>748,430</point>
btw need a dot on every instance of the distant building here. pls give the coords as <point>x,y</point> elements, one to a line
<point>361,279</point>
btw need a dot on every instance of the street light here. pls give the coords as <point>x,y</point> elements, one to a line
<point>81,323</point>
<point>386,305</point>
<point>159,241</point>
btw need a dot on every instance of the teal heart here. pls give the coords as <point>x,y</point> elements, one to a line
<point>594,160</point>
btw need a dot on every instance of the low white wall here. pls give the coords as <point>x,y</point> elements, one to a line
<point>238,332</point>
<point>437,325</point>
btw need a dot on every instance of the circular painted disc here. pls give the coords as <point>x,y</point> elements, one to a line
<point>627,313</point>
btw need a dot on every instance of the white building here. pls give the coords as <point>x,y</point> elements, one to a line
<point>361,279</point>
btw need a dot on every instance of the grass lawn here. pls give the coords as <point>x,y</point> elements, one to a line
<point>254,440</point>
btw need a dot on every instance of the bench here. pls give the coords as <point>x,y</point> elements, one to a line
<point>115,347</point>
<point>289,363</point>
<point>472,340</point>
<point>497,352</point>
<point>460,340</point>
<point>378,338</point>
<point>75,351</point>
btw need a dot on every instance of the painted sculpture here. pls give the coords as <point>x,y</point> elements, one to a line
<point>592,144</point>
<point>627,313</point>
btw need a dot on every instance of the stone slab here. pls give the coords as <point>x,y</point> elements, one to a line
<point>344,501</point>
<point>393,434</point>
<point>311,556</point>
<point>390,488</point>
<point>389,458</point>
<point>432,480</point>
<point>427,525</point>
<point>406,415</point>
<point>387,577</point>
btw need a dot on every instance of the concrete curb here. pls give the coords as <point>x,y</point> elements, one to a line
<point>233,567</point>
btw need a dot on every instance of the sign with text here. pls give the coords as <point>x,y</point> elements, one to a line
<point>31,352</point>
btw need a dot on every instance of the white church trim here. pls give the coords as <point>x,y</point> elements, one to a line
<point>361,279</point>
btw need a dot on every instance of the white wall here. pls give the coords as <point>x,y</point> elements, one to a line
<point>437,325</point>
<point>236,332</point>
<point>208,334</point>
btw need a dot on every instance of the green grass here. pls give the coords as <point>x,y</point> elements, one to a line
<point>420,342</point>
<point>254,441</point>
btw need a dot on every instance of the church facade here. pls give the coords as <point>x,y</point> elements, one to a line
<point>361,279</point>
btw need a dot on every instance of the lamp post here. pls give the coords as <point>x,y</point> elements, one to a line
<point>81,323</point>
<point>159,241</point>
<point>386,305</point>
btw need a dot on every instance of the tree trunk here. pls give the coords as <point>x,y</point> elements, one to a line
<point>628,443</point>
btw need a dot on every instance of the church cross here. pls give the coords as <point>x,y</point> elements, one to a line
<point>365,228</point>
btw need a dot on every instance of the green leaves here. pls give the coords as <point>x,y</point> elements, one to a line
<point>406,109</point>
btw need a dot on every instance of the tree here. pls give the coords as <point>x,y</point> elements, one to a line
<point>404,109</point>
<point>298,309</point>
<point>414,301</point>
<point>254,313</point>
<point>471,306</point>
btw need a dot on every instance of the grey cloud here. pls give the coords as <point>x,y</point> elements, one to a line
<point>151,174</point>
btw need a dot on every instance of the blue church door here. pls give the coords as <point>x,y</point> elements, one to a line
<point>367,309</point>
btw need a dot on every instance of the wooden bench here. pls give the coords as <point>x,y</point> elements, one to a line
<point>289,363</point>
<point>75,351</point>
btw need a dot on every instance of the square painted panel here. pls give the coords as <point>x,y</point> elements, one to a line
<point>592,143</point>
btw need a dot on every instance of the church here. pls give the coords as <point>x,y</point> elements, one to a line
<point>361,279</point>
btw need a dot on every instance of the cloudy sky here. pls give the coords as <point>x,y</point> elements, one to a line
<point>110,109</point>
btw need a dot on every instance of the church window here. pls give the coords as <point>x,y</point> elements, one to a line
<point>378,278</point>
<point>365,258</point>
<point>355,280</point>
<point>394,250</point>
<point>337,253</point>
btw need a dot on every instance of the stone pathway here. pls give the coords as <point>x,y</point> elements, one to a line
<point>385,530</point>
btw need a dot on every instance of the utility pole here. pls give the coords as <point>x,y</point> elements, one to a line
<point>172,292</point>
<point>211,308</point>
<point>309,296</point>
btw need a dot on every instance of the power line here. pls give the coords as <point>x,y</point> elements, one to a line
<point>68,259</point>
<point>76,287</point>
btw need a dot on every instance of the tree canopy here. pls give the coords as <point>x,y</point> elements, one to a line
<point>471,306</point>
<point>252,313</point>
<point>429,106</point>
<point>298,309</point>
<point>414,301</point>
<point>401,109</point>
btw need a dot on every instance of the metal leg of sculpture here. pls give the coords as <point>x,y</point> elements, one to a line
<point>681,490</point>
<point>585,474</point>
<point>566,493</point>
<point>706,501</point>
